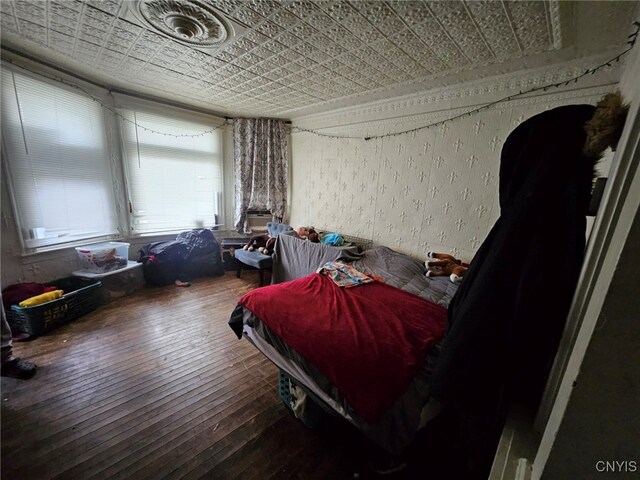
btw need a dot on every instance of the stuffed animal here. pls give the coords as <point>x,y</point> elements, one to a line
<point>308,233</point>
<point>314,236</point>
<point>445,265</point>
<point>263,243</point>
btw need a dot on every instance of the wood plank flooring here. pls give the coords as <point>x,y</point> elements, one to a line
<point>157,386</point>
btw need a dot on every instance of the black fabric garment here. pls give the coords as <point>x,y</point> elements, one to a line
<point>507,317</point>
<point>236,321</point>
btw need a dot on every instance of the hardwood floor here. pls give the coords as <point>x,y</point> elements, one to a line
<point>156,386</point>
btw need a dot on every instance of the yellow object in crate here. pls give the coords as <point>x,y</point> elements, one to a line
<point>42,298</point>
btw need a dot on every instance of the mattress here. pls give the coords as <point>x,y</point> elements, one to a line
<point>397,427</point>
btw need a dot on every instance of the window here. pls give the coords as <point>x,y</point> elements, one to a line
<point>173,169</point>
<point>57,161</point>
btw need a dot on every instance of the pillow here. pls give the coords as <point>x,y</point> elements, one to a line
<point>406,273</point>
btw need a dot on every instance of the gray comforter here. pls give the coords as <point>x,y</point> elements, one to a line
<point>406,273</point>
<point>296,258</point>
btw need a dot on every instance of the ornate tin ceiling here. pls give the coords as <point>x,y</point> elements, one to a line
<point>290,58</point>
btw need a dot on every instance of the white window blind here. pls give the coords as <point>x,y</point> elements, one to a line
<point>57,160</point>
<point>174,183</point>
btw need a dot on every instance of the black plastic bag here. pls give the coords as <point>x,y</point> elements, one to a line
<point>203,254</point>
<point>163,262</point>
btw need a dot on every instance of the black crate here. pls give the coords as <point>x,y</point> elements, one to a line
<point>313,414</point>
<point>80,297</point>
<point>229,262</point>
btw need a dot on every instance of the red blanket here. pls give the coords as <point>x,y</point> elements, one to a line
<point>369,341</point>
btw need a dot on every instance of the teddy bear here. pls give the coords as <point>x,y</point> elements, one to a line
<point>445,265</point>
<point>262,242</point>
<point>308,233</point>
<point>314,237</point>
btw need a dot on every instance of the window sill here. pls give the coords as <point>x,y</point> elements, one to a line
<point>54,251</point>
<point>173,232</point>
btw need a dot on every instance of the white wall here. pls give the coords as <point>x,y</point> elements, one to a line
<point>602,419</point>
<point>434,189</point>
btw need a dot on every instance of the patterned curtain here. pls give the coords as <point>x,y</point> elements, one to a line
<point>261,169</point>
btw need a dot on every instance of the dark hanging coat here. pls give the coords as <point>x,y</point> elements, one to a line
<point>507,317</point>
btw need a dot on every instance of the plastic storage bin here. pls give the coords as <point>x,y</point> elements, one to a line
<point>117,283</point>
<point>80,297</point>
<point>103,257</point>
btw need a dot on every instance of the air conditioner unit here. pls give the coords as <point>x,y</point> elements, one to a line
<point>257,220</point>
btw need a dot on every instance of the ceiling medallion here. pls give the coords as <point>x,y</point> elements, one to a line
<point>191,22</point>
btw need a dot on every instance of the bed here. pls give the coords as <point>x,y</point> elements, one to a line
<point>366,353</point>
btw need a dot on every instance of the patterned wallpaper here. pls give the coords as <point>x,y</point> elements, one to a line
<point>432,190</point>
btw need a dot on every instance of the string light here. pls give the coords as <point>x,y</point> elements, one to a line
<point>590,71</point>
<point>320,134</point>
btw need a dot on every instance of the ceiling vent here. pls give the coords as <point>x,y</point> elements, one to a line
<point>193,23</point>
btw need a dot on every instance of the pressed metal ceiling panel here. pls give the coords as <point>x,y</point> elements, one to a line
<point>289,58</point>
